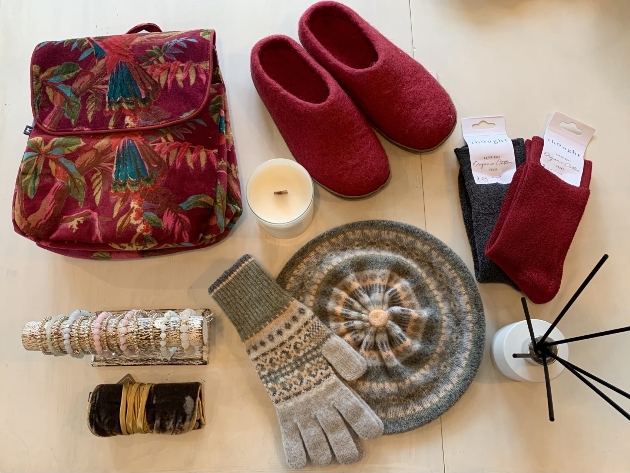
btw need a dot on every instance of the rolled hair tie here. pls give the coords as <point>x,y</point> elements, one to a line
<point>142,408</point>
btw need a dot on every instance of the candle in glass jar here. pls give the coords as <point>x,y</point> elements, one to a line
<point>280,194</point>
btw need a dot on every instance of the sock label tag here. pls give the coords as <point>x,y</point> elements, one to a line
<point>491,152</point>
<point>563,151</point>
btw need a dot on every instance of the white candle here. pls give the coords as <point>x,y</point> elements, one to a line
<point>280,194</point>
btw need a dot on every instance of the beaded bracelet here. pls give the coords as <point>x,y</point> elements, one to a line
<point>75,334</point>
<point>154,324</point>
<point>123,330</point>
<point>67,329</point>
<point>85,334</point>
<point>162,324</point>
<point>111,336</point>
<point>96,331</point>
<point>49,343</point>
<point>184,327</point>
<point>43,346</point>
<point>56,336</point>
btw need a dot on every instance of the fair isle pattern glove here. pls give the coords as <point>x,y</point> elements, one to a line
<point>294,354</point>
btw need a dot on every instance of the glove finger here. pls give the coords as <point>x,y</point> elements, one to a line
<point>293,445</point>
<point>339,437</point>
<point>315,441</point>
<point>358,414</point>
<point>346,361</point>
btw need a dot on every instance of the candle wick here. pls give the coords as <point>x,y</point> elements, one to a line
<point>281,192</point>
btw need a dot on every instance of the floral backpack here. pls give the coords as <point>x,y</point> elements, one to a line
<point>131,152</point>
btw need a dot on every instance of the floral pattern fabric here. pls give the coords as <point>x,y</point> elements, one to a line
<point>117,82</point>
<point>132,155</point>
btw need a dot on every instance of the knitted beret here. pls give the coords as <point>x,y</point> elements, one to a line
<point>407,303</point>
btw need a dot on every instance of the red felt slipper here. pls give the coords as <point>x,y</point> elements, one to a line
<point>322,127</point>
<point>401,99</point>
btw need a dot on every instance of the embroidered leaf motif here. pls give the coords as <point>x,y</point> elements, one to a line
<point>36,144</point>
<point>123,222</point>
<point>91,105</point>
<point>162,77</point>
<point>97,185</point>
<point>117,206</point>
<point>171,73</point>
<point>65,71</point>
<point>37,87</point>
<point>215,108</point>
<point>202,158</point>
<point>112,121</point>
<point>197,201</point>
<point>73,221</point>
<point>66,145</point>
<point>205,34</point>
<point>35,156</point>
<point>80,43</point>
<point>86,53</point>
<point>152,219</point>
<point>49,93</point>
<point>71,108</point>
<point>150,241</point>
<point>201,72</point>
<point>176,224</point>
<point>219,206</point>
<point>74,180</point>
<point>102,255</point>
<point>30,173</point>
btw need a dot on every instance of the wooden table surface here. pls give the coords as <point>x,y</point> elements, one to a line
<point>524,59</point>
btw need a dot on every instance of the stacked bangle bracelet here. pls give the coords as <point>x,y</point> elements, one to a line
<point>96,331</point>
<point>162,324</point>
<point>49,342</point>
<point>123,330</point>
<point>136,334</point>
<point>183,328</point>
<point>67,329</point>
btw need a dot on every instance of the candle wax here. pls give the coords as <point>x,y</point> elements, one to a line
<point>279,208</point>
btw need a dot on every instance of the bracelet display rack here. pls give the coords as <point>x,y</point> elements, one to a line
<point>124,338</point>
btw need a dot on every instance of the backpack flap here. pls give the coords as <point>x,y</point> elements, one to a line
<point>113,83</point>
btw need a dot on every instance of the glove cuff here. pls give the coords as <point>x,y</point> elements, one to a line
<point>249,296</point>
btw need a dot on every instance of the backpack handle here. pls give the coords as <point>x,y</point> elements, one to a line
<point>148,27</point>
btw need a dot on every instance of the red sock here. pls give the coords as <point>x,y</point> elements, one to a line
<point>537,222</point>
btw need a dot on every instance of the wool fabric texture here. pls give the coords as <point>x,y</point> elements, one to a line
<point>294,355</point>
<point>404,301</point>
<point>322,127</point>
<point>401,99</point>
<point>481,204</point>
<point>536,225</point>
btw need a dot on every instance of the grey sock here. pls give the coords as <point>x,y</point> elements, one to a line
<point>481,204</point>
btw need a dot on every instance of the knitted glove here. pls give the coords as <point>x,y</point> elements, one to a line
<point>481,204</point>
<point>294,354</point>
